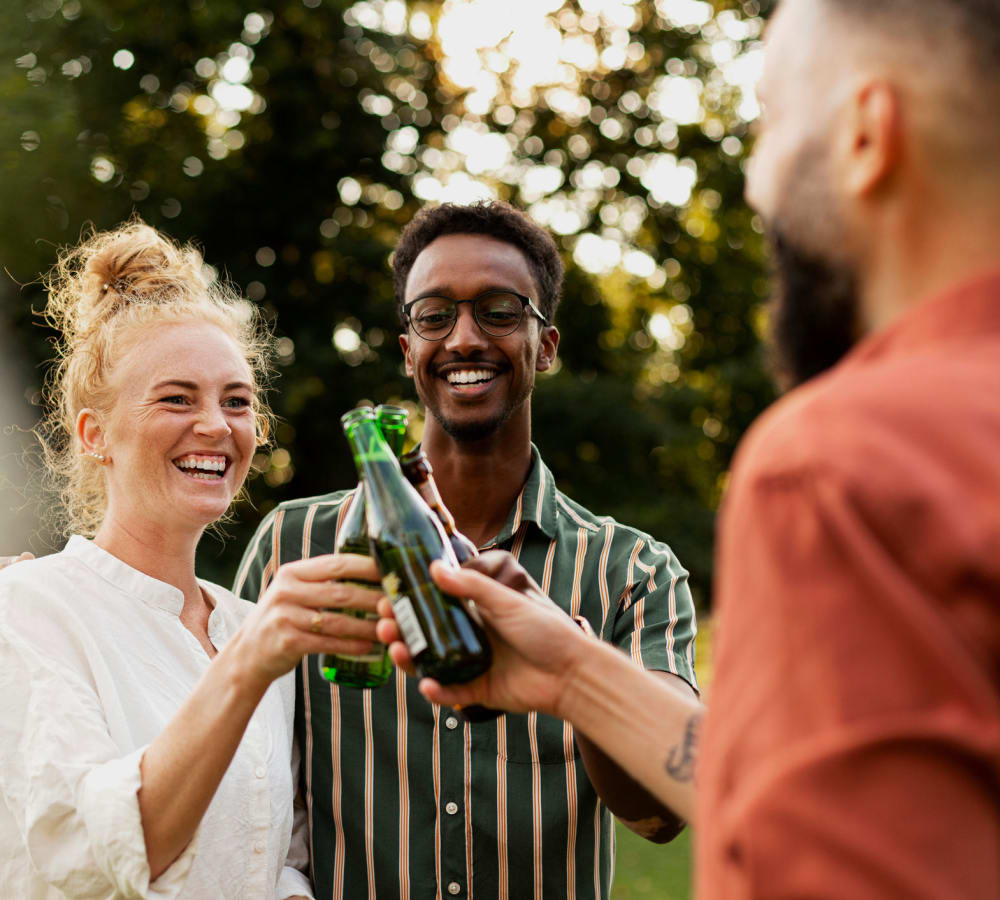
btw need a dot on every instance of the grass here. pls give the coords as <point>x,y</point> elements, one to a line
<point>645,871</point>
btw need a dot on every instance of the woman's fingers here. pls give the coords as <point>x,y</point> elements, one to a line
<point>302,585</point>
<point>335,567</point>
<point>333,624</point>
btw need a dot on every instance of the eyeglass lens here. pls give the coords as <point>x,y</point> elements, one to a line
<point>497,313</point>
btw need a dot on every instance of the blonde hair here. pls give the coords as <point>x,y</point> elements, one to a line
<point>103,294</point>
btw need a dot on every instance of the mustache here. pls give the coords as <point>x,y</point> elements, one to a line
<point>474,359</point>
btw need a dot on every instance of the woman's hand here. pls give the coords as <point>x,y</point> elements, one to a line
<point>296,616</point>
<point>8,560</point>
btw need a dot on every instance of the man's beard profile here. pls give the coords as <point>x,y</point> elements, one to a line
<point>813,313</point>
<point>815,309</point>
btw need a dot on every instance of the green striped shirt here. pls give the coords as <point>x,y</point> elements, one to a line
<point>404,799</point>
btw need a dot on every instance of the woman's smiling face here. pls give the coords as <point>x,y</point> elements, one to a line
<point>181,435</point>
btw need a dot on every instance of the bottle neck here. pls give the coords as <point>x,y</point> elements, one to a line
<point>371,451</point>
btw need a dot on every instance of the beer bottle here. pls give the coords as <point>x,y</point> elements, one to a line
<point>372,669</point>
<point>418,471</point>
<point>444,641</point>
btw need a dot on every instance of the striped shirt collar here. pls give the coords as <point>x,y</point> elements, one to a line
<point>536,503</point>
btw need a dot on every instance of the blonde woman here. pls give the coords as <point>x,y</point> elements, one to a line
<point>145,714</point>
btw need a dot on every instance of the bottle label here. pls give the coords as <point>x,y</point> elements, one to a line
<point>402,609</point>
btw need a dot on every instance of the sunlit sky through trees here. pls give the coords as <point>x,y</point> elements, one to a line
<point>294,139</point>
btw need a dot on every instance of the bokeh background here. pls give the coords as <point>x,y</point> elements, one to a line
<point>293,139</point>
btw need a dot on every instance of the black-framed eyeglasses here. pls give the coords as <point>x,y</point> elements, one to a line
<point>497,313</point>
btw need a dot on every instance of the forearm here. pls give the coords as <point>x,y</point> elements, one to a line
<point>644,729</point>
<point>183,766</point>
<point>639,809</point>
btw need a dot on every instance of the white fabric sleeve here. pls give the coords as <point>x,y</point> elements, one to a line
<point>294,879</point>
<point>73,796</point>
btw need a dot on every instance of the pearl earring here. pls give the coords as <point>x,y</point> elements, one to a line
<point>98,456</point>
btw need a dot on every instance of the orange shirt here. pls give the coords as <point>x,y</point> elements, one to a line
<point>852,744</point>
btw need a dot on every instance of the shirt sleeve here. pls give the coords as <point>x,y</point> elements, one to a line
<point>72,796</point>
<point>256,569</point>
<point>294,879</point>
<point>655,620</point>
<point>847,750</point>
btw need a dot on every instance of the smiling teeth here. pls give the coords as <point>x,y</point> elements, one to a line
<point>469,376</point>
<point>202,466</point>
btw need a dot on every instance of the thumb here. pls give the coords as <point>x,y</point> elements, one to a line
<point>491,598</point>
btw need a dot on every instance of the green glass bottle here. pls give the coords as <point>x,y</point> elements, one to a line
<point>406,536</point>
<point>367,670</point>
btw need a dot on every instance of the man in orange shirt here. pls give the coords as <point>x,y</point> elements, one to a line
<point>852,748</point>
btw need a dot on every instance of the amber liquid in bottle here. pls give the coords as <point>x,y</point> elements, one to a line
<point>418,471</point>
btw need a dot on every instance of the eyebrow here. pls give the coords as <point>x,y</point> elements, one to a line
<point>193,386</point>
<point>449,294</point>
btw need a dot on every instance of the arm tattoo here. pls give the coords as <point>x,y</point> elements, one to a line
<point>683,756</point>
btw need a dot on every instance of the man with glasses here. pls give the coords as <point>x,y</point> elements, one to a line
<point>405,799</point>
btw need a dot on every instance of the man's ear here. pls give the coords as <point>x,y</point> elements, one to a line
<point>90,432</point>
<point>548,346</point>
<point>874,120</point>
<point>404,343</point>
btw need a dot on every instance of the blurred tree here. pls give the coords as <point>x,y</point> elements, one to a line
<point>294,141</point>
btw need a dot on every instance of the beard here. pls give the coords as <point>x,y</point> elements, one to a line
<point>474,430</point>
<point>815,307</point>
<point>471,432</point>
<point>814,311</point>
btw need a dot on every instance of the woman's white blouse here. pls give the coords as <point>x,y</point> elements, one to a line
<point>94,662</point>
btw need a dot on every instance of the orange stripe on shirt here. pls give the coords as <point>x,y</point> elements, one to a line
<point>571,786</point>
<point>436,774</point>
<point>369,793</point>
<point>536,772</point>
<point>307,705</point>
<point>402,771</point>
<point>468,808</point>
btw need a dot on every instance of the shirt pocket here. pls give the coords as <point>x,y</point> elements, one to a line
<point>523,739</point>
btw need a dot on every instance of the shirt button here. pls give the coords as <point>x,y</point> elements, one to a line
<point>451,808</point>
<point>452,723</point>
<point>454,888</point>
<point>259,847</point>
<point>260,771</point>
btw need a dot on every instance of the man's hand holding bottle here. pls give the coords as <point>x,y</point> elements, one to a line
<point>536,646</point>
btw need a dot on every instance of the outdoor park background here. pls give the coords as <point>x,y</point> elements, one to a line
<point>293,139</point>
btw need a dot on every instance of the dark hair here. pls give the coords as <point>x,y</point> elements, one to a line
<point>976,24</point>
<point>492,218</point>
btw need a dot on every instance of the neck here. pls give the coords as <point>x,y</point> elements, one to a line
<point>163,555</point>
<point>480,480</point>
<point>923,252</point>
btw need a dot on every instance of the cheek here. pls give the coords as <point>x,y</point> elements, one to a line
<point>245,434</point>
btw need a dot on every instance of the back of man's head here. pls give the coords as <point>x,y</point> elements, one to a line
<point>947,56</point>
<point>491,218</point>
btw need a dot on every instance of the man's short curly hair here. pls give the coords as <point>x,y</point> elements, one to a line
<point>492,218</point>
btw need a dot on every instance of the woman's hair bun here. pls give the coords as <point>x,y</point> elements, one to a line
<point>134,264</point>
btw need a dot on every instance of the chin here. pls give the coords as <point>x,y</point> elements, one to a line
<point>469,431</point>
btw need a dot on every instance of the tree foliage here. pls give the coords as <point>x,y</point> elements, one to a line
<point>294,140</point>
